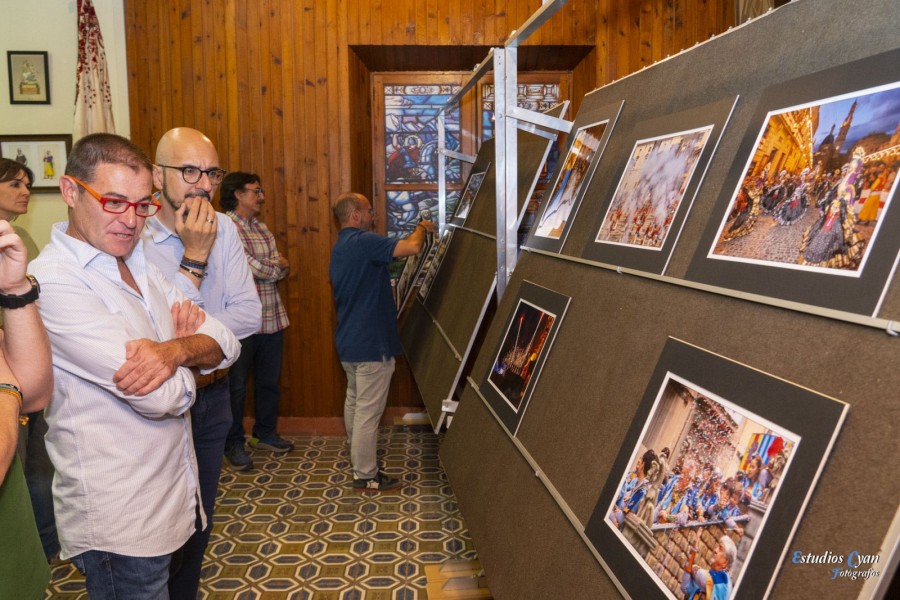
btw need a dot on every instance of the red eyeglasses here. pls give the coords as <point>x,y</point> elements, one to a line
<point>119,205</point>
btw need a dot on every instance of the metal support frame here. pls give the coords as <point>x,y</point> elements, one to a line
<point>480,70</point>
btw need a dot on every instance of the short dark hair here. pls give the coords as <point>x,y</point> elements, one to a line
<point>344,205</point>
<point>10,169</point>
<point>104,148</point>
<point>232,183</point>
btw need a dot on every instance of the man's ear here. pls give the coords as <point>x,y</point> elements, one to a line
<point>158,177</point>
<point>69,191</point>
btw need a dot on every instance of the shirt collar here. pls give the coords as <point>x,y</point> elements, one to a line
<point>84,253</point>
<point>158,232</point>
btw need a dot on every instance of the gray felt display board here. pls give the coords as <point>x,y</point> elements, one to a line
<point>461,288</point>
<point>616,326</point>
<point>433,362</point>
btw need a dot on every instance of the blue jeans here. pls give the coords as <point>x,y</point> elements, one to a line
<point>368,384</point>
<point>210,421</point>
<point>39,476</point>
<point>114,576</point>
<point>261,352</point>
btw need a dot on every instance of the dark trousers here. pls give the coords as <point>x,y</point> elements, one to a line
<point>261,352</point>
<point>210,421</point>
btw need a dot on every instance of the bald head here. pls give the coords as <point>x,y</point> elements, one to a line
<point>178,140</point>
<point>187,166</point>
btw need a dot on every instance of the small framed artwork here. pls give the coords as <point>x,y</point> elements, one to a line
<point>807,213</point>
<point>45,155</point>
<point>431,269</point>
<point>591,132</point>
<point>520,354</point>
<point>476,177</point>
<point>640,225</point>
<point>712,479</point>
<point>29,79</point>
<point>411,269</point>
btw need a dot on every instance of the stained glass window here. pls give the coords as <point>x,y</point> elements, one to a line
<point>410,132</point>
<point>404,209</point>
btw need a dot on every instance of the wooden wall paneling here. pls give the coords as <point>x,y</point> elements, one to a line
<point>478,22</point>
<point>443,33</point>
<point>429,26</point>
<point>280,208</point>
<point>320,210</point>
<point>657,48</point>
<point>182,39</point>
<point>668,26</point>
<point>225,91</point>
<point>603,45</point>
<point>454,14</point>
<point>201,57</point>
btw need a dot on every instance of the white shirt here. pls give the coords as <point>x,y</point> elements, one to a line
<point>126,474</point>
<point>227,292</point>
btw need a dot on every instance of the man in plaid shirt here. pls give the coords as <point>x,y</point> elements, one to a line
<point>242,197</point>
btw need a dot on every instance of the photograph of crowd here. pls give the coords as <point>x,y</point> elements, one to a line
<point>817,185</point>
<point>699,489</point>
<point>573,176</point>
<point>652,188</point>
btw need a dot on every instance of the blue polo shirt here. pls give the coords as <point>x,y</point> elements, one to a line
<point>366,313</point>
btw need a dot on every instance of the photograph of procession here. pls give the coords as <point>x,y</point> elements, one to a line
<point>817,186</point>
<point>698,489</point>
<point>711,481</point>
<point>652,188</point>
<point>569,185</point>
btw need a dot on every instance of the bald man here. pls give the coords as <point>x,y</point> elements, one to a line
<point>200,251</point>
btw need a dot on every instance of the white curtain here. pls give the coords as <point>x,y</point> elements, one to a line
<point>93,100</point>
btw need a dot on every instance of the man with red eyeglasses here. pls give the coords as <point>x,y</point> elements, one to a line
<point>126,346</point>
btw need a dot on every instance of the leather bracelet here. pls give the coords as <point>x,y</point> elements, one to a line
<point>15,392</point>
<point>194,264</point>
<point>197,274</point>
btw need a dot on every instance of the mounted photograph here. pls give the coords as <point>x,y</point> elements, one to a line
<point>711,482</point>
<point>520,355</point>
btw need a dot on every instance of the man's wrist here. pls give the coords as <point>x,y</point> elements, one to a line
<point>20,294</point>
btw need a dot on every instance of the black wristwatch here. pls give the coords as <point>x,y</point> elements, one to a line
<point>18,301</point>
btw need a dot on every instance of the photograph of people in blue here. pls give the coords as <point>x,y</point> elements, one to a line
<point>705,476</point>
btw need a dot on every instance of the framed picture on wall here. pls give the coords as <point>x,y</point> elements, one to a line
<point>639,225</point>
<point>528,336</point>
<point>29,79</point>
<point>806,212</point>
<point>712,479</point>
<point>45,155</point>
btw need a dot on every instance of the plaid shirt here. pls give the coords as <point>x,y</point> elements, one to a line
<point>262,254</point>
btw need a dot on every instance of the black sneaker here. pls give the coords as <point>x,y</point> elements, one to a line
<point>273,443</point>
<point>379,483</point>
<point>238,458</point>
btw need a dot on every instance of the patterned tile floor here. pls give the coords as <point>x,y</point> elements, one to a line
<point>293,529</point>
